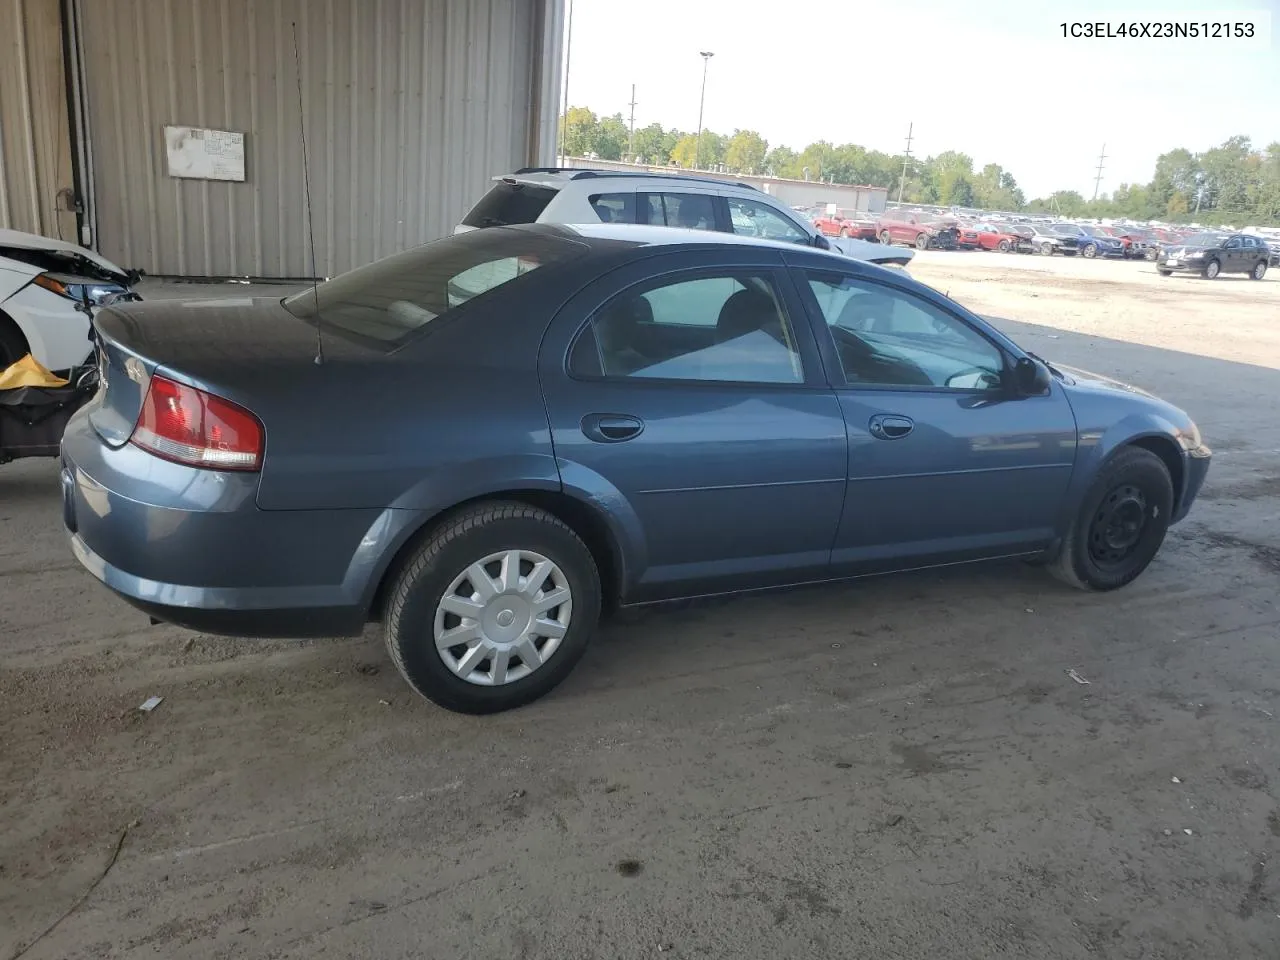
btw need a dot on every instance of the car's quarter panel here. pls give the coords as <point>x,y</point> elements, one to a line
<point>731,485</point>
<point>192,546</point>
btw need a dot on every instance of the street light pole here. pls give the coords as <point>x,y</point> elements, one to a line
<point>697,151</point>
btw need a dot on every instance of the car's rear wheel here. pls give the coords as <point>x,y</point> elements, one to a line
<point>885,238</point>
<point>1212,269</point>
<point>922,241</point>
<point>1121,525</point>
<point>1259,270</point>
<point>1090,250</point>
<point>494,609</point>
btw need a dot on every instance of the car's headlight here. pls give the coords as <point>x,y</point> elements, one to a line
<point>78,289</point>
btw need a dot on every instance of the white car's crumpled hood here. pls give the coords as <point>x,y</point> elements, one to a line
<point>33,241</point>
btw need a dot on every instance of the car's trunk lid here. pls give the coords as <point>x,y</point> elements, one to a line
<point>237,348</point>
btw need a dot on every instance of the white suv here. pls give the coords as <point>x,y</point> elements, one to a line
<point>562,195</point>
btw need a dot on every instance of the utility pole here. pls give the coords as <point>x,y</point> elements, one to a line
<point>631,136</point>
<point>1098,179</point>
<point>568,55</point>
<point>906,158</point>
<point>697,151</point>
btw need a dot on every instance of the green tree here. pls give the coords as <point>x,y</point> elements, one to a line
<point>746,151</point>
<point>781,162</point>
<point>650,144</point>
<point>685,150</point>
<point>611,137</point>
<point>578,131</point>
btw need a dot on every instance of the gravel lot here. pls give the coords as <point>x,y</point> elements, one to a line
<point>898,767</point>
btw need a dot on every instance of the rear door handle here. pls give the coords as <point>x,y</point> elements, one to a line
<point>611,427</point>
<point>888,426</point>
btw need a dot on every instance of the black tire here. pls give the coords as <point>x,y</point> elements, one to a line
<point>1046,249</point>
<point>1259,270</point>
<point>886,239</point>
<point>1132,487</point>
<point>922,241</point>
<point>1089,251</point>
<point>1003,246</point>
<point>1212,269</point>
<point>1163,273</point>
<point>466,537</point>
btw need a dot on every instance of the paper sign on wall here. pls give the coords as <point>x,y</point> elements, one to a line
<point>202,154</point>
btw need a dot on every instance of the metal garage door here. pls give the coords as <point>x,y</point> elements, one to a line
<point>410,106</point>
<point>35,142</point>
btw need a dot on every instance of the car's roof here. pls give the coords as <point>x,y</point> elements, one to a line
<point>559,177</point>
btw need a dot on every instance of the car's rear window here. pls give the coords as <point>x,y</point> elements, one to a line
<point>510,202</point>
<point>388,301</point>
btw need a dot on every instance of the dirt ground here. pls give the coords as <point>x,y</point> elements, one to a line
<point>898,767</point>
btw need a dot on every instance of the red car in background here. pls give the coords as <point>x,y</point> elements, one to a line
<point>1005,237</point>
<point>847,223</point>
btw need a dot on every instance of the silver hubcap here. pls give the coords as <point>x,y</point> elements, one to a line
<point>1212,270</point>
<point>503,617</point>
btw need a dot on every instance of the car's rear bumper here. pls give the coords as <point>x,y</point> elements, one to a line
<point>191,546</point>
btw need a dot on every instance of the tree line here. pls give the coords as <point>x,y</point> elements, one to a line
<point>1233,181</point>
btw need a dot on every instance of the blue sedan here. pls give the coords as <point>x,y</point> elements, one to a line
<point>484,442</point>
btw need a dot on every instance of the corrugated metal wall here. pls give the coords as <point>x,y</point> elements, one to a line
<point>35,146</point>
<point>410,106</point>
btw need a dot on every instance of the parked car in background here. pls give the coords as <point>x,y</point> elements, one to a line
<point>1210,254</point>
<point>1090,240</point>
<point>1134,240</point>
<point>1005,237</point>
<point>574,195</point>
<point>1046,242</point>
<point>650,414</point>
<point>847,223</point>
<point>48,288</point>
<point>920,230</point>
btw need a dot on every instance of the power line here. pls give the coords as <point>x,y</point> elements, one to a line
<point>906,158</point>
<point>631,136</point>
<point>1098,179</point>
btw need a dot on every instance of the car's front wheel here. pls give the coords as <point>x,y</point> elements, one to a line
<point>1163,272</point>
<point>1003,246</point>
<point>1121,524</point>
<point>494,609</point>
<point>1046,249</point>
<point>885,238</point>
<point>1089,251</point>
<point>1212,269</point>
<point>1259,270</point>
<point>922,241</point>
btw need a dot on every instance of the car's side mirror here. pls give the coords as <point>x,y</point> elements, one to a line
<point>821,242</point>
<point>1031,378</point>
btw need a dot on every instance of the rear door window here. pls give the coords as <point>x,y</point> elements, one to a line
<point>692,211</point>
<point>614,207</point>
<point>510,202</point>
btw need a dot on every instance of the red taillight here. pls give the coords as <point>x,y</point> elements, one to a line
<point>187,425</point>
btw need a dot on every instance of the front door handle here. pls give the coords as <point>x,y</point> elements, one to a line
<point>887,426</point>
<point>611,427</point>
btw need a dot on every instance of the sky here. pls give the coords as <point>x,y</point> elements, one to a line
<point>995,79</point>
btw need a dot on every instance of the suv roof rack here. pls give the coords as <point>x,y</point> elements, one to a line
<point>581,173</point>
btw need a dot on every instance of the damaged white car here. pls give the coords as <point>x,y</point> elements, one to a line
<point>48,292</point>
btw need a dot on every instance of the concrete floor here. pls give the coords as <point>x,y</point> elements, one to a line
<point>898,767</point>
